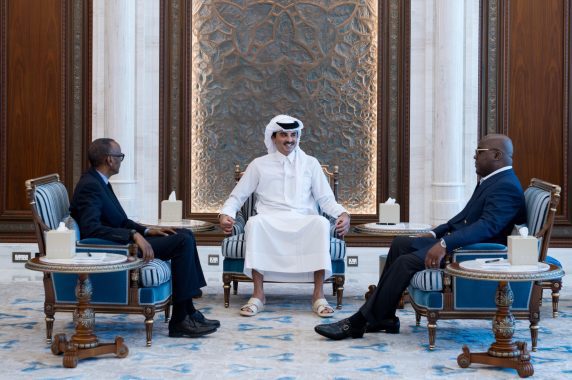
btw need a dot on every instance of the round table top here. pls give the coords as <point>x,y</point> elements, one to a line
<point>111,262</point>
<point>393,229</point>
<point>191,224</point>
<point>478,270</point>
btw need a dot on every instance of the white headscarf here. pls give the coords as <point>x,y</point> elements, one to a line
<point>273,126</point>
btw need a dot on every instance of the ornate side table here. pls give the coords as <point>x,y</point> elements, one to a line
<point>504,352</point>
<point>192,224</point>
<point>84,343</point>
<point>391,230</point>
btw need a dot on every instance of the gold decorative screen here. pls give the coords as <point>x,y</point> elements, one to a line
<point>314,60</point>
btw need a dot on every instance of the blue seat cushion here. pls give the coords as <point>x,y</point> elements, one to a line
<point>233,247</point>
<point>230,265</point>
<point>156,294</point>
<point>429,299</point>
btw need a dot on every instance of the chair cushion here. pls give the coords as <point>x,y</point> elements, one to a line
<point>233,247</point>
<point>537,202</point>
<point>52,203</point>
<point>154,273</point>
<point>429,280</point>
<point>426,299</point>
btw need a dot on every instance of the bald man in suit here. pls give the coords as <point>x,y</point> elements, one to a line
<point>496,205</point>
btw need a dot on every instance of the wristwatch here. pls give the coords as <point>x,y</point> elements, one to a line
<point>443,244</point>
<point>132,234</point>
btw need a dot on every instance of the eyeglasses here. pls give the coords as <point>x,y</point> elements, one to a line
<point>121,156</point>
<point>479,150</point>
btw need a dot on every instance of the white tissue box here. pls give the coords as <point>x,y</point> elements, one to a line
<point>171,211</point>
<point>389,213</point>
<point>522,250</point>
<point>60,244</point>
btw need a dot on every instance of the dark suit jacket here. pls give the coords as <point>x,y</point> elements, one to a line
<point>97,211</point>
<point>489,216</point>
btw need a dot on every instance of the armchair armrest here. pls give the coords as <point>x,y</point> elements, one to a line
<point>239,224</point>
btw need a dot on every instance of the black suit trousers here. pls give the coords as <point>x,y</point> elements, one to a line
<point>187,274</point>
<point>405,258</point>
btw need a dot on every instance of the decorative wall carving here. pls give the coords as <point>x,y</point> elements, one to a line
<point>252,60</point>
<point>389,146</point>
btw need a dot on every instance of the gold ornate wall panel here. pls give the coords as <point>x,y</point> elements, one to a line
<point>315,60</point>
<point>227,67</point>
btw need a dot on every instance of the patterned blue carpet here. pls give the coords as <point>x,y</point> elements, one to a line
<point>279,343</point>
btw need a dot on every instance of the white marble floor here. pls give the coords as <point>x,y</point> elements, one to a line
<point>279,343</point>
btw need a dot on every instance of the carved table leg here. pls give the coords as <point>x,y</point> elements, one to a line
<point>226,280</point>
<point>504,352</point>
<point>84,343</point>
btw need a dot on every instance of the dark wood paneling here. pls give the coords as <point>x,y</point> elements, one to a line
<point>42,116</point>
<point>34,96</point>
<point>393,108</point>
<point>526,67</point>
<point>533,96</point>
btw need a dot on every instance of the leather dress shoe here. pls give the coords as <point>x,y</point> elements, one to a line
<point>189,327</point>
<point>339,330</point>
<point>199,317</point>
<point>389,326</point>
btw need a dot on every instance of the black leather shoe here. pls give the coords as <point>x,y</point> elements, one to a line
<point>389,326</point>
<point>340,330</point>
<point>199,317</point>
<point>189,327</point>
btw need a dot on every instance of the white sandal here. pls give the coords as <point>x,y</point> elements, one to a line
<point>252,307</point>
<point>322,308</point>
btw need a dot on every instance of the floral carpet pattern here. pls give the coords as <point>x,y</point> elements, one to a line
<point>278,343</point>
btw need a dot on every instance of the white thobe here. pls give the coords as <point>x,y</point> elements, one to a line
<point>288,240</point>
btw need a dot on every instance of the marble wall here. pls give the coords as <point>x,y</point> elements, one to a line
<point>444,106</point>
<point>444,101</point>
<point>126,96</point>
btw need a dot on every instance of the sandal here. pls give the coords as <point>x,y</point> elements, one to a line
<point>323,308</point>
<point>252,307</point>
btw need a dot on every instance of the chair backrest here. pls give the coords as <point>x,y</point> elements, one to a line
<point>248,207</point>
<point>542,200</point>
<point>49,201</point>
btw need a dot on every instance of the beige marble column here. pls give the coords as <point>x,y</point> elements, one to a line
<point>447,171</point>
<point>125,96</point>
<point>444,106</point>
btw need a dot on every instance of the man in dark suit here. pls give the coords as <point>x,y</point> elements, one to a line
<point>490,215</point>
<point>99,214</point>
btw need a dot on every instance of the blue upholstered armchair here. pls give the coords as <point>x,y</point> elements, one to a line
<point>436,295</point>
<point>233,246</point>
<point>143,291</point>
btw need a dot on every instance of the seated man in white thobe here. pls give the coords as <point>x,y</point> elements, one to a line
<point>287,241</point>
